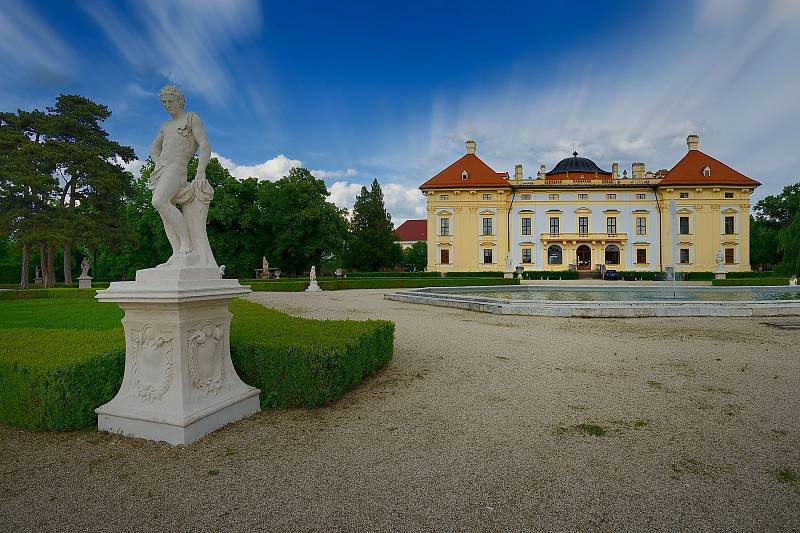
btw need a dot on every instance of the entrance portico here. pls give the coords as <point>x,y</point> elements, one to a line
<point>584,257</point>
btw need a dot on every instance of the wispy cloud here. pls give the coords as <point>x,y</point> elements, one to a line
<point>185,41</point>
<point>271,169</point>
<point>31,46</point>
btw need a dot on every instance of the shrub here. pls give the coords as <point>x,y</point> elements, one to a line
<point>54,379</point>
<point>401,283</point>
<point>488,274</point>
<point>749,281</point>
<point>750,275</point>
<point>696,276</point>
<point>32,294</point>
<point>391,275</point>
<point>645,275</point>
<point>305,363</point>
<point>550,274</point>
<point>278,285</point>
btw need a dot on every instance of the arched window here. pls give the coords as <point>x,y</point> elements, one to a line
<point>612,254</point>
<point>554,255</point>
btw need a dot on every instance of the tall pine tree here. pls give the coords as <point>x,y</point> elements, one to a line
<point>371,244</point>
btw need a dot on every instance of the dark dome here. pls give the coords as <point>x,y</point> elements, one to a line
<point>577,164</point>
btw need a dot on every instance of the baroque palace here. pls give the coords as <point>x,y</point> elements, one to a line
<point>579,216</point>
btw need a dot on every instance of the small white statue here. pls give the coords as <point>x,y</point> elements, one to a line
<point>176,143</point>
<point>508,262</point>
<point>313,274</point>
<point>313,286</point>
<point>719,257</point>
<point>793,280</point>
<point>222,271</point>
<point>38,274</point>
<point>85,267</point>
<point>264,264</point>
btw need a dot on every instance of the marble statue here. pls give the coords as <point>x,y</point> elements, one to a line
<point>719,257</point>
<point>313,286</point>
<point>85,267</point>
<point>719,272</point>
<point>222,271</point>
<point>793,280</point>
<point>509,270</point>
<point>176,143</point>
<point>264,264</point>
<point>38,274</point>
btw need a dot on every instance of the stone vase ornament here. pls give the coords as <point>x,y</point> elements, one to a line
<point>313,286</point>
<point>179,383</point>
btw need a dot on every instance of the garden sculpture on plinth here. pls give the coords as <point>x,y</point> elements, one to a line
<point>312,285</point>
<point>179,382</point>
<point>719,272</point>
<point>84,280</point>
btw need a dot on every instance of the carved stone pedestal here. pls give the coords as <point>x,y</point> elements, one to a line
<point>179,382</point>
<point>313,287</point>
<point>719,272</point>
<point>84,282</point>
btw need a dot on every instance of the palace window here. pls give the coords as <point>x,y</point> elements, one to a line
<point>487,226</point>
<point>583,224</point>
<point>641,255</point>
<point>552,197</point>
<point>444,227</point>
<point>728,195</point>
<point>487,196</point>
<point>526,255</point>
<point>444,197</point>
<point>684,256</point>
<point>611,196</point>
<point>684,195</point>
<point>444,257</point>
<point>641,225</point>
<point>707,171</point>
<point>525,197</point>
<point>583,196</point>
<point>684,225</point>
<point>728,256</point>
<point>487,255</point>
<point>554,225</point>
<point>641,196</point>
<point>464,175</point>
<point>611,225</point>
<point>612,254</point>
<point>554,255</point>
<point>729,229</point>
<point>526,226</point>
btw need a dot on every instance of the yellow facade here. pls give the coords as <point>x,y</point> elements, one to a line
<point>628,224</point>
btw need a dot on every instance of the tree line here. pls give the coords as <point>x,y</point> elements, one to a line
<point>64,193</point>
<point>775,232</point>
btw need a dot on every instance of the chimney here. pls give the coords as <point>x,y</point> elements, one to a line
<point>614,171</point>
<point>693,142</point>
<point>518,172</point>
<point>471,146</point>
<point>637,171</point>
<point>542,172</point>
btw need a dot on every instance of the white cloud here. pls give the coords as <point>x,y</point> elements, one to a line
<point>188,42</point>
<point>134,167</point>
<point>401,201</point>
<point>32,46</point>
<point>328,174</point>
<point>271,169</point>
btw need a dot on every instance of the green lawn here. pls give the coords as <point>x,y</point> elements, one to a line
<point>59,313</point>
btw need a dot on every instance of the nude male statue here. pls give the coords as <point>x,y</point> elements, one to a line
<point>177,141</point>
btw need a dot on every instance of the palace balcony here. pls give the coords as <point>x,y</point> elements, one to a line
<point>584,237</point>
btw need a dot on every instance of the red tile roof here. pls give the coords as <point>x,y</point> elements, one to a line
<point>479,175</point>
<point>689,171</point>
<point>413,230</point>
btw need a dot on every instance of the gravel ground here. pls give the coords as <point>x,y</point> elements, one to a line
<point>480,422</point>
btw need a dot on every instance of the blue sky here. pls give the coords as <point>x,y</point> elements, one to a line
<point>387,90</point>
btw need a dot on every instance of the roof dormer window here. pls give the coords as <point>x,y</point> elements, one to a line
<point>707,171</point>
<point>464,175</point>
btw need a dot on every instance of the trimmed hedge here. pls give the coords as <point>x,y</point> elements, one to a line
<point>403,283</point>
<point>550,274</point>
<point>301,362</point>
<point>645,275</point>
<point>390,275</point>
<point>32,294</point>
<point>55,378</point>
<point>749,281</point>
<point>487,274</point>
<point>277,285</point>
<point>750,275</point>
<point>696,276</point>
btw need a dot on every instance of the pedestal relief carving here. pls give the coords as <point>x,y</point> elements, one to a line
<point>205,357</point>
<point>151,361</point>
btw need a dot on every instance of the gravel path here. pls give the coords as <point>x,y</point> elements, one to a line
<point>481,422</point>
